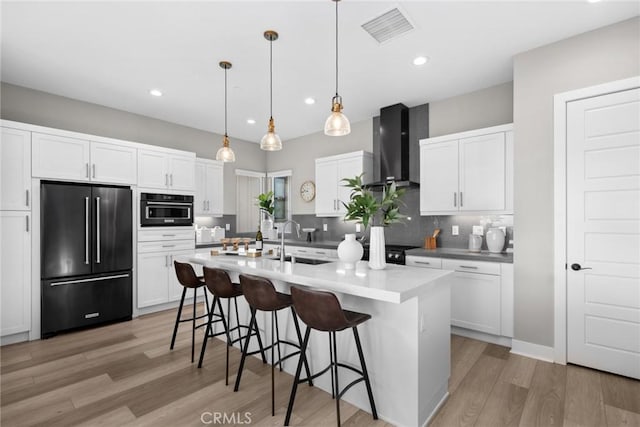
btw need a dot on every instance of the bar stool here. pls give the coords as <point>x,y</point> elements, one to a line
<point>188,279</point>
<point>322,311</point>
<point>220,285</point>
<point>262,295</point>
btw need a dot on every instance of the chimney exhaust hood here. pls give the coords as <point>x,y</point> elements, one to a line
<point>394,147</point>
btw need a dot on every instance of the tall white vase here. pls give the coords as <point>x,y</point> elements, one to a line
<point>350,251</point>
<point>377,260</point>
<point>495,240</point>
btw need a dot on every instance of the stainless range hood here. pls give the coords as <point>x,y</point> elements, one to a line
<point>393,153</point>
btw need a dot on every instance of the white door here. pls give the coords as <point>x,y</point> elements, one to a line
<point>482,173</point>
<point>15,170</point>
<point>60,157</point>
<point>326,188</point>
<point>439,177</point>
<point>181,173</point>
<point>15,272</point>
<point>113,163</point>
<point>603,232</point>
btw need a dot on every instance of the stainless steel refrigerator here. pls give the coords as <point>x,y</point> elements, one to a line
<point>86,255</point>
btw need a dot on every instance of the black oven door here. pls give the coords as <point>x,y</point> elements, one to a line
<point>165,210</point>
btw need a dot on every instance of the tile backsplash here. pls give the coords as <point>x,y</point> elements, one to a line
<point>412,232</point>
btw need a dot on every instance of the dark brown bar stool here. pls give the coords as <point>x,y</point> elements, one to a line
<point>220,285</point>
<point>322,311</point>
<point>188,279</point>
<point>262,295</point>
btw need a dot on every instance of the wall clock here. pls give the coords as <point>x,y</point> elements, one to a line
<point>308,191</point>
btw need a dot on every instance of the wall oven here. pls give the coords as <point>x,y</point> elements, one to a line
<point>165,210</point>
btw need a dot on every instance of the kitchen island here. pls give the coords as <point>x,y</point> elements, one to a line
<point>406,343</point>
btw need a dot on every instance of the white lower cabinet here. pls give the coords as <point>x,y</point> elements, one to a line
<point>15,272</point>
<point>481,293</point>
<point>311,252</point>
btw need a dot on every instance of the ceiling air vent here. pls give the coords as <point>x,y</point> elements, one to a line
<point>387,26</point>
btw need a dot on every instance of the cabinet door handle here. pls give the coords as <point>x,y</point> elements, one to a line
<point>27,191</point>
<point>455,199</point>
<point>86,169</point>
<point>166,260</point>
<point>27,218</point>
<point>472,267</point>
<point>93,170</point>
<point>86,230</point>
<point>171,179</point>
<point>166,179</point>
<point>97,230</point>
<point>461,204</point>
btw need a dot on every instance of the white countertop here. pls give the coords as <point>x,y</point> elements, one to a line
<point>396,283</point>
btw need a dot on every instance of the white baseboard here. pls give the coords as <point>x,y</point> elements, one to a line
<point>535,351</point>
<point>481,336</point>
<point>15,338</point>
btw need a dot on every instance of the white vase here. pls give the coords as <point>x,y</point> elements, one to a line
<point>377,260</point>
<point>495,240</point>
<point>266,226</point>
<point>350,251</point>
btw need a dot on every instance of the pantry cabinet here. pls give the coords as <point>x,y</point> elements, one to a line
<point>330,191</point>
<point>469,172</point>
<point>15,272</point>
<point>208,200</point>
<point>166,170</point>
<point>74,159</point>
<point>15,170</point>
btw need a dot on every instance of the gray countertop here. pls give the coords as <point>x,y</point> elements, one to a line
<point>462,254</point>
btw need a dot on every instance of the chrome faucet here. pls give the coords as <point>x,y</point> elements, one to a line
<point>284,227</point>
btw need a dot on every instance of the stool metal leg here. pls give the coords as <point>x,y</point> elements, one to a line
<point>235,303</point>
<point>246,348</point>
<point>275,316</point>
<point>297,326</point>
<point>175,328</point>
<point>333,393</point>
<point>207,330</point>
<point>273,387</point>
<point>226,330</point>
<point>335,367</point>
<point>193,325</point>
<point>302,360</point>
<point>365,374</point>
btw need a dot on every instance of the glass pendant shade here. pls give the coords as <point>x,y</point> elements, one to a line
<point>337,124</point>
<point>225,153</point>
<point>271,141</point>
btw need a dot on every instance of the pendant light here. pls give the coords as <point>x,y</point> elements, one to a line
<point>225,153</point>
<point>271,141</point>
<point>337,124</point>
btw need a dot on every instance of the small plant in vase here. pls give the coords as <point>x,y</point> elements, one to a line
<point>365,208</point>
<point>267,207</point>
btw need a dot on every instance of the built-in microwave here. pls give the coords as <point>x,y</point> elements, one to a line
<point>165,210</point>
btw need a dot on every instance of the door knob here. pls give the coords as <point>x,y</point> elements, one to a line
<point>578,267</point>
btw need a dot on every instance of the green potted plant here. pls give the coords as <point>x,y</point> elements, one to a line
<point>365,208</point>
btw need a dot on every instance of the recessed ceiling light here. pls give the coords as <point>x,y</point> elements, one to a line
<point>155,92</point>
<point>251,121</point>
<point>420,60</point>
<point>309,101</point>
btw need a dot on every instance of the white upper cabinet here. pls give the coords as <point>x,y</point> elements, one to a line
<point>208,200</point>
<point>165,170</point>
<point>330,192</point>
<point>61,157</point>
<point>15,170</point>
<point>113,163</point>
<point>469,172</point>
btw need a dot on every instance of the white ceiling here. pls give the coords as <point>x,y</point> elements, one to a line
<point>112,53</point>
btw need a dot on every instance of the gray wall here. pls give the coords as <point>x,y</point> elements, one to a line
<point>21,104</point>
<point>606,54</point>
<point>299,155</point>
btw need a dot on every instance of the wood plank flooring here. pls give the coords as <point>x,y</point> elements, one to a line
<point>125,375</point>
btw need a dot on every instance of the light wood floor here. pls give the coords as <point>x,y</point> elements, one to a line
<point>124,374</point>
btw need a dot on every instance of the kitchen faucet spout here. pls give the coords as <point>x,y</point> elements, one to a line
<point>284,227</point>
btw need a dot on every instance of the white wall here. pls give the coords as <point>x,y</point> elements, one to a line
<point>40,108</point>
<point>606,54</point>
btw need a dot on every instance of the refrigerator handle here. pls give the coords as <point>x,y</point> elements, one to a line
<point>86,230</point>
<point>98,230</point>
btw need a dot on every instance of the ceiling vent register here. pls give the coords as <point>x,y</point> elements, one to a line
<point>388,25</point>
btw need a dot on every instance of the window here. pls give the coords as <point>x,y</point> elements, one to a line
<point>280,183</point>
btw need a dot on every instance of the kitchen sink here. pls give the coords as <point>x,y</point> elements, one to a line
<point>309,261</point>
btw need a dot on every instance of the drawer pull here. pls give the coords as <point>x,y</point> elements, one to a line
<point>422,262</point>
<point>472,267</point>
<point>168,246</point>
<point>168,235</point>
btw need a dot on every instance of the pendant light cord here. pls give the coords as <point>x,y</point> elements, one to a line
<point>225,101</point>
<point>271,77</point>
<point>336,46</point>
